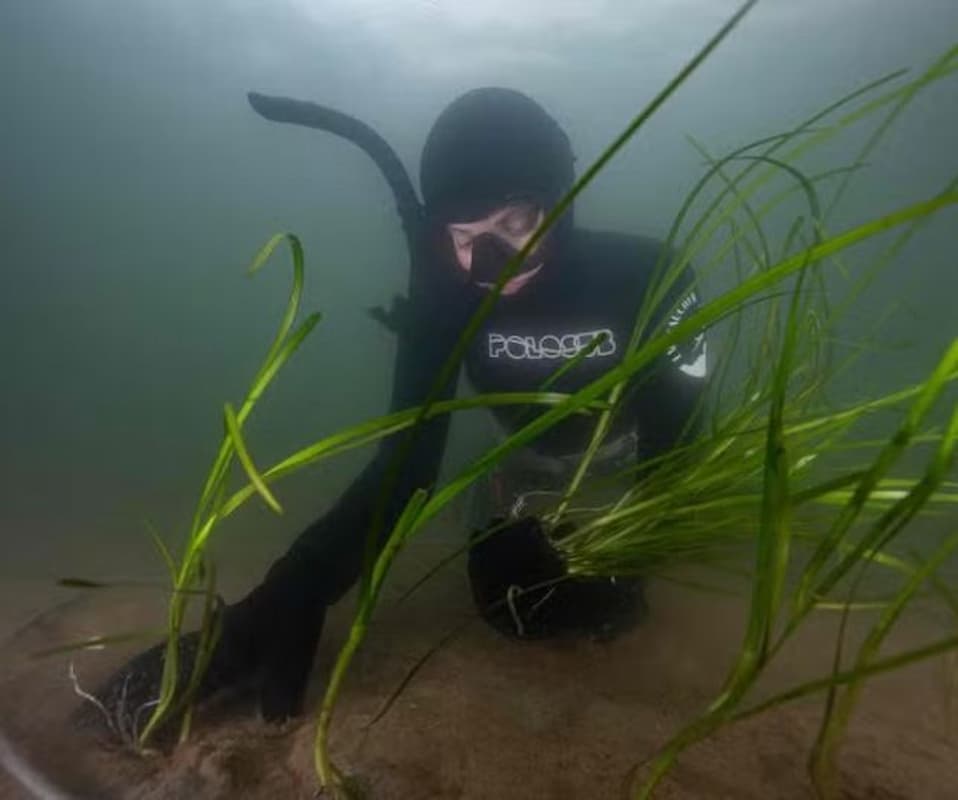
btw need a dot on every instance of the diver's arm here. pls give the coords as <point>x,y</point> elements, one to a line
<point>270,636</point>
<point>669,403</point>
<point>281,620</point>
<point>330,550</point>
<point>668,409</point>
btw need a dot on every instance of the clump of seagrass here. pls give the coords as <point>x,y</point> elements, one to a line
<point>776,470</point>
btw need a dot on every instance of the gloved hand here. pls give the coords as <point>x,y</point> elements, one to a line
<point>521,588</point>
<point>267,643</point>
<point>269,638</point>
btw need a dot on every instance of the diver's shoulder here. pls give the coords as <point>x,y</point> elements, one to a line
<point>614,250</point>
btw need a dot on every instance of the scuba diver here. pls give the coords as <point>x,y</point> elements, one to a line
<point>493,165</point>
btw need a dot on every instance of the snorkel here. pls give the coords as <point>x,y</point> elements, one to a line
<point>410,209</point>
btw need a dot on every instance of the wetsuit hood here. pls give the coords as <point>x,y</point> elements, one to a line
<point>487,147</point>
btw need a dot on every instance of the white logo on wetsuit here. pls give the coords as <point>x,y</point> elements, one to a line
<point>551,345</point>
<point>691,357</point>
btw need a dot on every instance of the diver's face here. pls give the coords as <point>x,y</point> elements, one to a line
<point>512,225</point>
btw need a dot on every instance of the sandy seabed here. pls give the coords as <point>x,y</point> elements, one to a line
<point>487,717</point>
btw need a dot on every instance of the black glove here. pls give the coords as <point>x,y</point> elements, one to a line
<point>269,638</point>
<point>267,643</point>
<point>521,588</point>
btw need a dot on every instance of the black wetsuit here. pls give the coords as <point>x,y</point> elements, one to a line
<point>486,146</point>
<point>596,284</point>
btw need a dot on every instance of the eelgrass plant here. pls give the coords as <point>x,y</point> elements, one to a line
<point>742,483</point>
<point>773,471</point>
